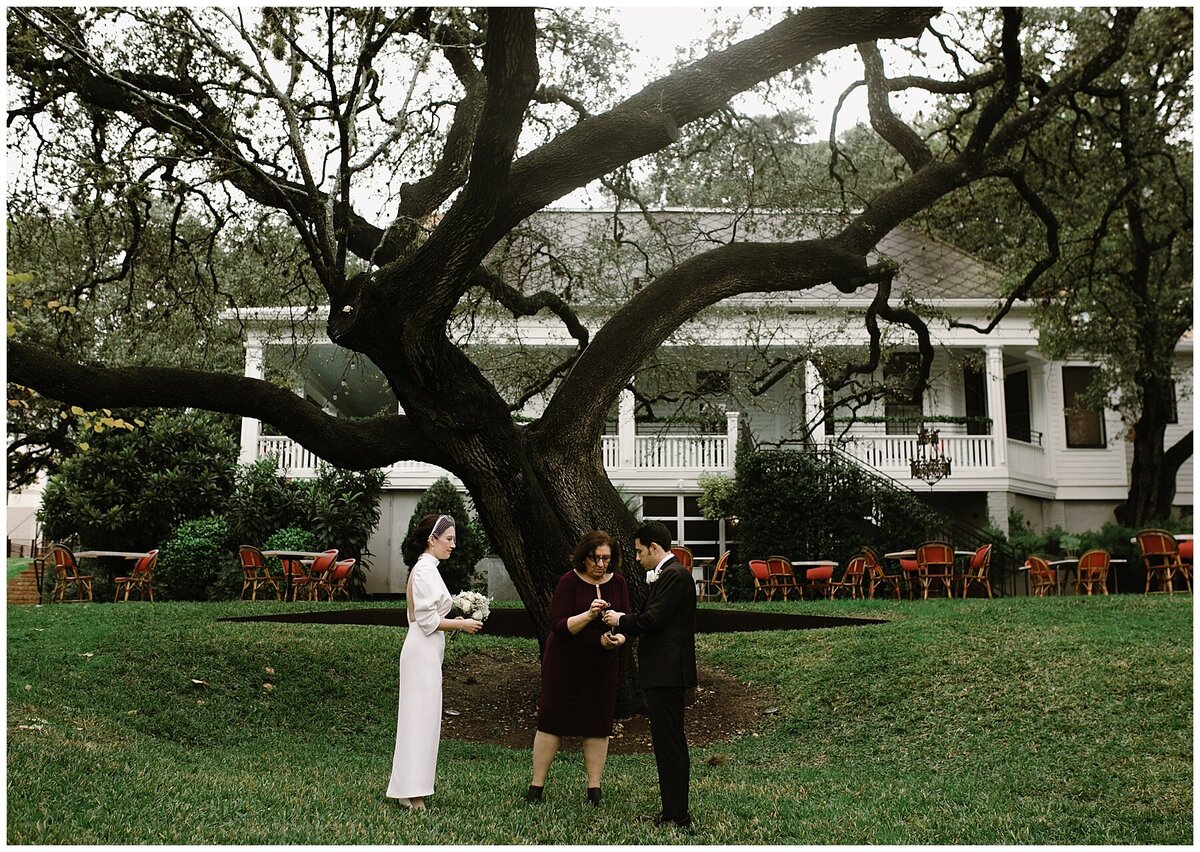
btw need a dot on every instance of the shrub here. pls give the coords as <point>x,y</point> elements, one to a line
<point>198,563</point>
<point>262,502</point>
<point>343,512</point>
<point>809,506</point>
<point>288,538</point>
<point>459,570</point>
<point>130,489</point>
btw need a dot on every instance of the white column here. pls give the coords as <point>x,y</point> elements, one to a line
<point>626,429</point>
<point>250,425</point>
<point>995,405</point>
<point>814,402</point>
<point>731,430</point>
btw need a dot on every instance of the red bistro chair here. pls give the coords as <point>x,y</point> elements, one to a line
<point>140,578</point>
<point>851,580</point>
<point>66,575</point>
<point>309,580</point>
<point>336,579</point>
<point>935,566</point>
<point>1092,573</point>
<point>762,579</point>
<point>817,580</point>
<point>877,576</point>
<point>715,584</point>
<point>779,569</point>
<point>977,570</point>
<point>255,572</point>
<point>1160,555</point>
<point>1042,578</point>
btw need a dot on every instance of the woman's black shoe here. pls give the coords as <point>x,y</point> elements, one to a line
<point>594,796</point>
<point>534,795</point>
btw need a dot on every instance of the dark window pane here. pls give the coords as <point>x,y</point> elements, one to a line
<point>691,507</point>
<point>659,506</point>
<point>1016,406</point>
<point>1085,428</point>
<point>702,530</point>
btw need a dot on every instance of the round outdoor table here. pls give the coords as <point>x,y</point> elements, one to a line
<point>289,560</point>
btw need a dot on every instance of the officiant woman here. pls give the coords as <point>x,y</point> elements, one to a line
<point>579,664</point>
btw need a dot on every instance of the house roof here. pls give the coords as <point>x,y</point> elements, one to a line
<point>931,270</point>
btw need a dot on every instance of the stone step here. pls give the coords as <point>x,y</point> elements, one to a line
<point>22,589</point>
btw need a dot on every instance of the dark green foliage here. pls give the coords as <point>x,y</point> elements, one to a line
<point>804,506</point>
<point>339,509</point>
<point>131,488</point>
<point>443,498</point>
<point>288,538</point>
<point>198,563</point>
<point>262,502</point>
<point>343,511</point>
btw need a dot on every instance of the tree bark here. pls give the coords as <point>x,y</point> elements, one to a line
<point>1153,474</point>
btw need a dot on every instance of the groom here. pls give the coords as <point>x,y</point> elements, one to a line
<point>666,662</point>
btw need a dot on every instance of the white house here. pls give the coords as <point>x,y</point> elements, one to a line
<point>1006,431</point>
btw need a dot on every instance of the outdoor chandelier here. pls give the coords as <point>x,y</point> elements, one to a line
<point>930,463</point>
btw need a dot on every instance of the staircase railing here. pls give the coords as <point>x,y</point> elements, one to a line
<point>1004,572</point>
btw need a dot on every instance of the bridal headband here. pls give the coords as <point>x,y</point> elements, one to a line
<point>443,523</point>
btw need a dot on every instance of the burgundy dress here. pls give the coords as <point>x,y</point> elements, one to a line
<point>579,676</point>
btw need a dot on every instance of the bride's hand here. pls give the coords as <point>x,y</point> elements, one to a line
<point>610,641</point>
<point>470,625</point>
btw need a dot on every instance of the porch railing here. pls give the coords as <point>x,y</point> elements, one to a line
<point>675,452</point>
<point>1027,459</point>
<point>893,452</point>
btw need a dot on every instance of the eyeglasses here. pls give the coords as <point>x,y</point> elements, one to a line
<point>599,560</point>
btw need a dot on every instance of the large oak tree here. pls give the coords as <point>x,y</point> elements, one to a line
<point>440,118</point>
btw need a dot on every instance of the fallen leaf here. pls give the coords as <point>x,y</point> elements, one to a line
<point>269,670</point>
<point>268,686</point>
<point>196,682</point>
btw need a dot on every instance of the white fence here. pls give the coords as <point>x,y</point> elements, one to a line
<point>665,452</point>
<point>894,452</point>
<point>1027,459</point>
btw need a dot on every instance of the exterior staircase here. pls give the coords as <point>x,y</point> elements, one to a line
<point>1004,571</point>
<point>22,589</point>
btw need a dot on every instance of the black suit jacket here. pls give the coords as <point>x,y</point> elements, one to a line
<point>667,630</point>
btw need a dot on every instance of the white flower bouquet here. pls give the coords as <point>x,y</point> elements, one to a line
<point>470,605</point>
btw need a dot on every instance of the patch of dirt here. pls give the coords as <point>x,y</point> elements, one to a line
<point>491,697</point>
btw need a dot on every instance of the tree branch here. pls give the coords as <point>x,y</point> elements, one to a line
<point>356,444</point>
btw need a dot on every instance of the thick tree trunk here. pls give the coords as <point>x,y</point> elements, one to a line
<point>1152,477</point>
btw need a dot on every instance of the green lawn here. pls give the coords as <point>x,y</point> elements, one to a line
<point>17,564</point>
<point>1031,721</point>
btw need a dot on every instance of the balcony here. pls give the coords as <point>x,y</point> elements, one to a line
<point>626,455</point>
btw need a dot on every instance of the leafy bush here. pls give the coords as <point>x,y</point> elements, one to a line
<point>343,512</point>
<point>198,563</point>
<point>717,497</point>
<point>442,498</point>
<point>338,509</point>
<point>288,538</point>
<point>262,502</point>
<point>130,489</point>
<point>810,506</point>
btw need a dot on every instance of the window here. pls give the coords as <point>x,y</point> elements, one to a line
<point>900,372</point>
<point>1016,406</point>
<point>1173,415</point>
<point>975,400</point>
<point>1085,426</point>
<point>679,512</point>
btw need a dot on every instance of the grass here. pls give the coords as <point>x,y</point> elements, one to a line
<point>1032,721</point>
<point>17,564</point>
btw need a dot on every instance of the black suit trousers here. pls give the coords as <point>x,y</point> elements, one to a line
<point>664,706</point>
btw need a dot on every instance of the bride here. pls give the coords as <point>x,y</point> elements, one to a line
<point>419,719</point>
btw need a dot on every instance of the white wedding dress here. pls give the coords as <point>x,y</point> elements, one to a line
<point>419,718</point>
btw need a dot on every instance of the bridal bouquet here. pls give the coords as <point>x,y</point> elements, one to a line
<point>470,605</point>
